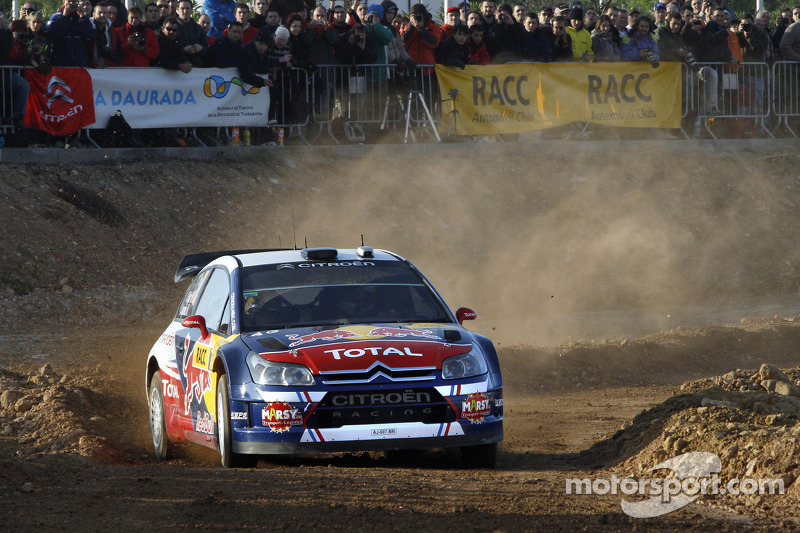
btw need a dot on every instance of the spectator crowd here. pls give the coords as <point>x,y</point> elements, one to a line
<point>266,42</point>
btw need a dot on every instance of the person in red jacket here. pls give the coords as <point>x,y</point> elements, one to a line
<point>420,36</point>
<point>478,54</point>
<point>139,44</point>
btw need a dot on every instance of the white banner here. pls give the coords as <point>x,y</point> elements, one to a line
<point>160,98</point>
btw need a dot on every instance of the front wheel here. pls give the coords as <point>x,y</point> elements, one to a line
<point>224,435</point>
<point>158,422</point>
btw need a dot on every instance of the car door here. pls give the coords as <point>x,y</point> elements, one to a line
<point>194,354</point>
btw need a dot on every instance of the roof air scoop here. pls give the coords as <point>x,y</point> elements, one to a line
<point>319,254</point>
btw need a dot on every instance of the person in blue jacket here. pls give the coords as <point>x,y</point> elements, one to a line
<point>222,13</point>
<point>638,44</point>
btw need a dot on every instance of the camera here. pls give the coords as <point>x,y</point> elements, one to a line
<point>371,19</point>
<point>357,38</point>
<point>783,21</point>
<point>453,93</point>
<point>418,18</point>
<point>696,22</point>
<point>139,38</point>
<point>651,57</point>
<point>691,60</point>
<point>501,17</point>
<point>747,27</point>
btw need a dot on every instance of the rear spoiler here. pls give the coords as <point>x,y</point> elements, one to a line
<point>194,263</point>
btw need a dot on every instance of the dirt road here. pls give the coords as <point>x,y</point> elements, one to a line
<point>623,299</point>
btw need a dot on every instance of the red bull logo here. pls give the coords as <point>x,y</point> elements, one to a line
<point>400,332</point>
<point>198,380</point>
<point>204,425</point>
<point>328,335</point>
<point>280,416</point>
<point>336,334</point>
<point>475,408</point>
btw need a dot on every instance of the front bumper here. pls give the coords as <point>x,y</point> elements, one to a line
<point>436,417</point>
<point>495,434</point>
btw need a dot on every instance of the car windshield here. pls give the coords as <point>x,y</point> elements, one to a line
<point>344,292</point>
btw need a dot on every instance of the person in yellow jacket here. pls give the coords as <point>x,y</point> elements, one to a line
<point>581,38</point>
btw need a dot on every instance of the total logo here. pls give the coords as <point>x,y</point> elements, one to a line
<point>475,408</point>
<point>280,416</point>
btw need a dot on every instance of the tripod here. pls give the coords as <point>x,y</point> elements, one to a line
<point>455,116</point>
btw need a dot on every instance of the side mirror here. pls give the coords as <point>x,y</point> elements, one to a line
<point>462,314</point>
<point>196,321</point>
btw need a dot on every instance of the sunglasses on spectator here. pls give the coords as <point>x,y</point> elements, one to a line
<point>171,29</point>
<point>163,6</point>
<point>795,13</point>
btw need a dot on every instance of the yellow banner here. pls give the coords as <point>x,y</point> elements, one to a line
<point>515,98</point>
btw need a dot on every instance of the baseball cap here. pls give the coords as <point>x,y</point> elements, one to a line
<point>454,10</point>
<point>376,9</point>
<point>659,6</point>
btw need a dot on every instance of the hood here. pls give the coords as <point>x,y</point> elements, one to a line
<point>358,347</point>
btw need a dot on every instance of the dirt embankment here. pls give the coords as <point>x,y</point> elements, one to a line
<point>606,282</point>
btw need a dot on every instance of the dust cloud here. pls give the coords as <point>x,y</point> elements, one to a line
<point>571,242</point>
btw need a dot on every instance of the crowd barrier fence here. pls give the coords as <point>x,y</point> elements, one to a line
<point>7,101</point>
<point>350,102</point>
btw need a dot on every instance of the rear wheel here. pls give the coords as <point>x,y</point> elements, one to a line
<point>158,422</point>
<point>224,434</point>
<point>480,456</point>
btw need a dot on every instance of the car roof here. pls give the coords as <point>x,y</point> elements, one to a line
<point>296,256</point>
<point>192,264</point>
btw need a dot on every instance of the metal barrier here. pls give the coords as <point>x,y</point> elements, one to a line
<point>12,83</point>
<point>785,93</point>
<point>350,102</point>
<point>384,96</point>
<point>736,92</point>
<point>292,93</point>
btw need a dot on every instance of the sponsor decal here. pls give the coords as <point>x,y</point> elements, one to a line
<point>400,332</point>
<point>166,339</point>
<point>204,425</point>
<point>238,415</point>
<point>198,379</point>
<point>200,359</point>
<point>285,266</point>
<point>218,87</point>
<point>280,416</point>
<point>380,398</point>
<point>386,432</point>
<point>498,402</point>
<point>170,389</point>
<point>475,408</point>
<point>376,351</point>
<point>339,264</point>
<point>373,333</point>
<point>328,335</point>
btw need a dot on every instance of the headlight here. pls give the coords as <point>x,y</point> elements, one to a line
<point>465,365</point>
<point>270,373</point>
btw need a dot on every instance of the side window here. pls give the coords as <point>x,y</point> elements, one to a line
<point>189,301</point>
<point>213,301</point>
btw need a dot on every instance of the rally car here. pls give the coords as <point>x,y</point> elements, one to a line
<point>320,350</point>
